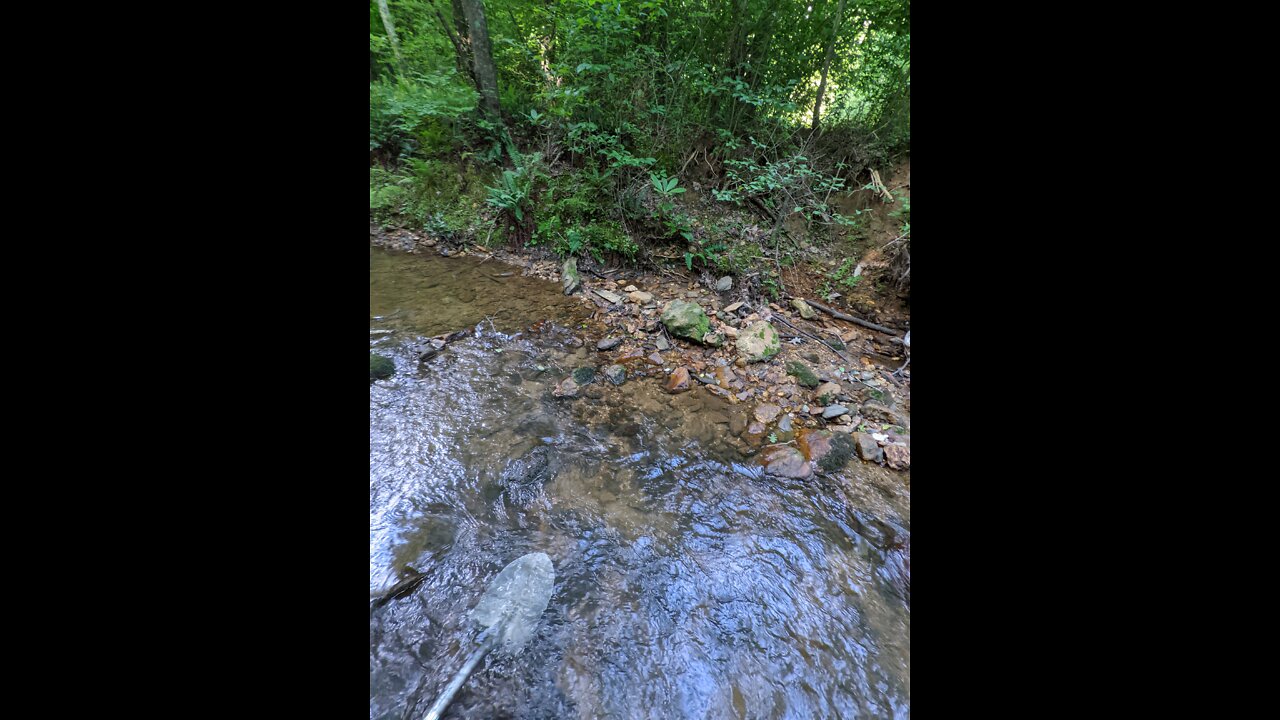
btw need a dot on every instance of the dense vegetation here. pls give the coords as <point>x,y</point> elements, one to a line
<point>582,125</point>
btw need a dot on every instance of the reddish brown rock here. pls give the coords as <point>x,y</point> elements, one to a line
<point>678,381</point>
<point>897,456</point>
<point>786,461</point>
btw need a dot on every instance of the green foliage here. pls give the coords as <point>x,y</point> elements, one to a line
<point>626,100</point>
<point>512,193</point>
<point>842,277</point>
<point>442,198</point>
<point>408,116</point>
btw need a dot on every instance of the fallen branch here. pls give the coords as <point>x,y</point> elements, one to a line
<point>820,341</point>
<point>849,318</point>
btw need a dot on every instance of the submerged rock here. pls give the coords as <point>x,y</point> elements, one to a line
<point>380,368</point>
<point>786,461</point>
<point>616,374</point>
<point>566,388</point>
<point>678,381</point>
<point>584,375</point>
<point>758,342</point>
<point>686,320</point>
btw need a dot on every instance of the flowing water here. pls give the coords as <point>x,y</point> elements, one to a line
<point>688,584</point>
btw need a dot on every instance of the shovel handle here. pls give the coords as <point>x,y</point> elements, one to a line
<point>442,702</point>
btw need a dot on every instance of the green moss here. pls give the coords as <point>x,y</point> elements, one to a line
<point>802,373</point>
<point>842,449</point>
<point>380,367</point>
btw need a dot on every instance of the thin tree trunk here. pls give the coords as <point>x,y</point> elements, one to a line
<point>462,57</point>
<point>391,32</point>
<point>485,72</point>
<point>826,65</point>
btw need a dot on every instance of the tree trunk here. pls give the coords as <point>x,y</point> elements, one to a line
<point>482,55</point>
<point>464,39</point>
<point>391,32</point>
<point>826,65</point>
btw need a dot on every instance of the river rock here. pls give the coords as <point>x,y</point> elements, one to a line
<point>767,412</point>
<point>569,276</point>
<point>566,388</point>
<point>662,343</point>
<point>630,289</point>
<point>686,320</point>
<point>834,411</point>
<point>758,342</point>
<point>827,393</point>
<point>608,343</point>
<point>897,456</point>
<point>802,373</point>
<point>611,297</point>
<point>786,461</point>
<point>380,368</point>
<point>734,307</point>
<point>714,339</point>
<point>678,381</point>
<point>641,297</point>
<point>584,375</point>
<point>654,359</point>
<point>785,423</point>
<point>867,448</point>
<point>724,284</point>
<point>879,413</point>
<point>616,374</point>
<point>806,312</point>
<point>730,332</point>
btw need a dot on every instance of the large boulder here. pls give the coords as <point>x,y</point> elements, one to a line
<point>758,342</point>
<point>686,320</point>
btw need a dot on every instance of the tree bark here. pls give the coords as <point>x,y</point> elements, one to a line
<point>826,65</point>
<point>482,56</point>
<point>391,32</point>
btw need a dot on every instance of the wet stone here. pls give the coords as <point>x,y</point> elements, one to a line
<point>616,374</point>
<point>608,343</point>
<point>678,381</point>
<point>584,375</point>
<point>786,461</point>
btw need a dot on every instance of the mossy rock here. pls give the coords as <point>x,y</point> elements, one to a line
<point>842,449</point>
<point>758,342</point>
<point>686,320</point>
<point>584,375</point>
<point>380,368</point>
<point>803,374</point>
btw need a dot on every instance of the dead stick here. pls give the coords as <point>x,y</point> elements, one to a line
<point>856,321</point>
<point>847,361</point>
